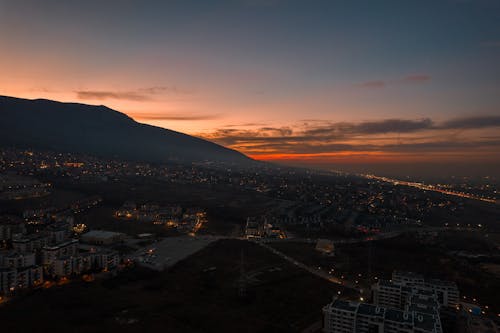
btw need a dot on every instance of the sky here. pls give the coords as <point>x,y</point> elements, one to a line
<point>362,85</point>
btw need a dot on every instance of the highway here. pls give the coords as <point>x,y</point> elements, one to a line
<point>317,272</point>
<point>430,188</point>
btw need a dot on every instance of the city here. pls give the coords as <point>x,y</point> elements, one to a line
<point>334,227</point>
<point>253,166</point>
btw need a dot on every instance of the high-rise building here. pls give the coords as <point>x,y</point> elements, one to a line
<point>407,303</point>
<point>342,316</point>
<point>394,293</point>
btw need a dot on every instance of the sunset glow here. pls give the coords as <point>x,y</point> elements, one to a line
<point>260,77</point>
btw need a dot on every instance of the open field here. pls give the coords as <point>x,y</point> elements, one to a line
<point>227,207</point>
<point>377,259</point>
<point>199,294</point>
<point>169,251</point>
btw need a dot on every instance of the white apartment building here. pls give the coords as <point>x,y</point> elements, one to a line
<point>30,243</point>
<point>8,279</point>
<point>447,292</point>
<point>407,278</point>
<point>51,253</point>
<point>394,293</point>
<point>16,260</point>
<point>67,265</point>
<point>19,278</point>
<point>388,294</point>
<point>29,277</point>
<point>342,316</point>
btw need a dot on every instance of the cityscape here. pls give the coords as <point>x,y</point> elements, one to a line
<point>250,165</point>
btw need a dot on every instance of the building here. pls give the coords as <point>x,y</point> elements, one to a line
<point>30,243</point>
<point>99,237</point>
<point>66,266</point>
<point>407,278</point>
<point>325,246</point>
<point>19,278</point>
<point>8,279</point>
<point>11,226</point>
<point>90,261</point>
<point>447,291</point>
<point>58,232</point>
<point>342,316</point>
<point>407,303</point>
<point>14,259</point>
<point>393,293</point>
<point>29,277</point>
<point>107,260</point>
<point>389,294</point>
<point>51,253</point>
<point>253,229</point>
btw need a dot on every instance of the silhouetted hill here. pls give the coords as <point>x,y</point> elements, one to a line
<point>98,130</point>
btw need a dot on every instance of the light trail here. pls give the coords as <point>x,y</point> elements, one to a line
<point>429,188</point>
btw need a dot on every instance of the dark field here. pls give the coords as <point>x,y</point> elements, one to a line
<point>227,207</point>
<point>409,253</point>
<point>280,298</point>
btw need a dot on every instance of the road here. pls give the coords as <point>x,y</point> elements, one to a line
<point>317,272</point>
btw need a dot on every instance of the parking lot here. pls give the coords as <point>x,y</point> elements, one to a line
<point>165,253</point>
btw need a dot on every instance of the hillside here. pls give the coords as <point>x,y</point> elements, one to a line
<point>101,131</point>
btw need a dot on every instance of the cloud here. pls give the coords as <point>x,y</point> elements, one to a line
<point>392,125</point>
<point>104,95</point>
<point>410,79</point>
<point>174,117</point>
<point>260,3</point>
<point>245,125</point>
<point>44,90</point>
<point>422,78</point>
<point>170,90</point>
<point>282,131</point>
<point>371,127</point>
<point>473,122</point>
<point>417,136</point>
<point>373,84</point>
<point>139,95</point>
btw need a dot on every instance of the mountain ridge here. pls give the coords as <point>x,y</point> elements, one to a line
<point>102,131</point>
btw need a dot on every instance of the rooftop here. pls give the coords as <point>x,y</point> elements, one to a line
<point>101,234</point>
<point>398,316</point>
<point>345,305</point>
<point>371,310</point>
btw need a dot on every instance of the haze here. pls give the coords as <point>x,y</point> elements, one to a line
<point>387,86</point>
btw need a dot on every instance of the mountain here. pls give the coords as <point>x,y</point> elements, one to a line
<point>100,131</point>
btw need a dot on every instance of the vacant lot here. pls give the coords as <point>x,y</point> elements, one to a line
<point>199,294</point>
<point>365,261</point>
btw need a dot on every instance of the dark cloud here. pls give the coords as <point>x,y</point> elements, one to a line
<point>378,84</point>
<point>310,138</point>
<point>260,3</point>
<point>471,122</point>
<point>373,84</point>
<point>392,125</point>
<point>281,131</point>
<point>104,95</point>
<point>416,78</point>
<point>245,125</point>
<point>167,90</point>
<point>371,127</point>
<point>318,148</point>
<point>175,117</point>
<point>140,95</point>
<point>444,145</point>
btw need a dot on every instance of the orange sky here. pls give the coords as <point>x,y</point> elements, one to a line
<point>338,85</point>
